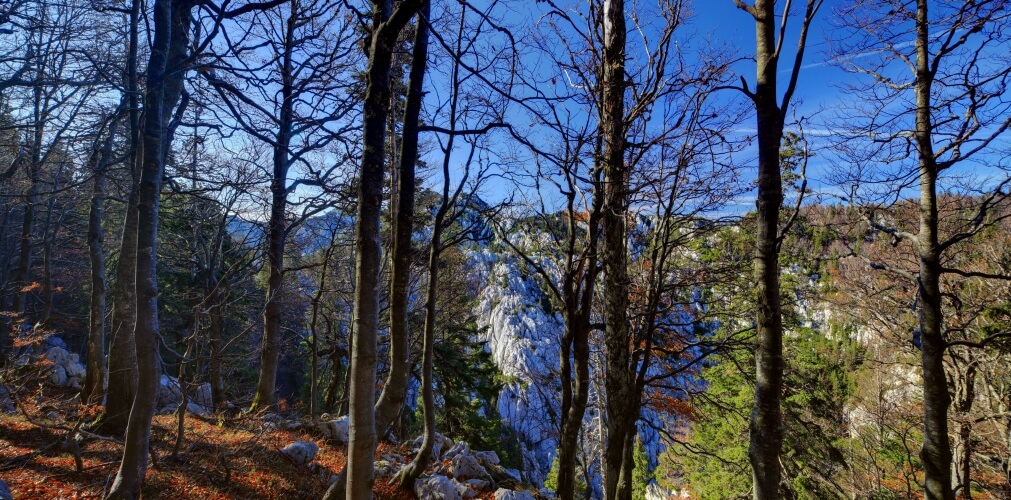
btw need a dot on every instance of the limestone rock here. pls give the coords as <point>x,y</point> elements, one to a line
<point>336,430</point>
<point>488,456</point>
<point>436,488</point>
<point>467,467</point>
<point>301,452</point>
<point>504,494</point>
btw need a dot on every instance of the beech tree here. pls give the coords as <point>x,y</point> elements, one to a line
<point>387,22</point>
<point>298,101</point>
<point>772,109</point>
<point>930,107</point>
<point>165,73</point>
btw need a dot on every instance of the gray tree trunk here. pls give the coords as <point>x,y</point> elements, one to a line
<point>386,26</point>
<point>94,381</point>
<point>936,451</point>
<point>391,400</point>
<point>165,75</point>
<point>766,422</point>
<point>618,382</point>
<point>766,425</point>
<point>122,368</point>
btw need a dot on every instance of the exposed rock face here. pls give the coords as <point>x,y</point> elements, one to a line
<point>301,452</point>
<point>488,456</point>
<point>437,488</point>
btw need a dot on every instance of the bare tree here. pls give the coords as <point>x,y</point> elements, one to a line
<point>935,96</point>
<point>387,22</point>
<point>391,400</point>
<point>293,101</point>
<point>165,73</point>
<point>771,111</point>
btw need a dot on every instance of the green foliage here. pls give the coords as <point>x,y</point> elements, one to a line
<point>642,473</point>
<point>551,482</point>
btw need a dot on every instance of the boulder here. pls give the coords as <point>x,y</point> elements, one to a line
<point>488,456</point>
<point>335,430</point>
<point>436,488</point>
<point>477,484</point>
<point>67,369</point>
<point>460,448</point>
<point>301,452</point>
<point>467,467</point>
<point>58,376</point>
<point>465,490</point>
<point>504,494</point>
<point>169,393</point>
<point>202,395</point>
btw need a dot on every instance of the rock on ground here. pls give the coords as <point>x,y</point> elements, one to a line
<point>436,488</point>
<point>202,395</point>
<point>488,456</point>
<point>460,448</point>
<point>336,430</point>
<point>467,467</point>
<point>67,369</point>
<point>301,452</point>
<point>504,494</point>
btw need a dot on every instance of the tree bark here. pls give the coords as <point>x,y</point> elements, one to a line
<point>122,368</point>
<point>766,424</point>
<point>386,26</point>
<point>964,385</point>
<point>165,74</point>
<point>578,294</point>
<point>94,381</point>
<point>421,461</point>
<point>277,228</point>
<point>618,382</point>
<point>936,451</point>
<point>391,401</point>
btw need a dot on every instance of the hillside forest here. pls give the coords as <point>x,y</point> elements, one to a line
<point>510,250</point>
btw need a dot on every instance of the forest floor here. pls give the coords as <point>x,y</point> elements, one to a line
<point>236,459</point>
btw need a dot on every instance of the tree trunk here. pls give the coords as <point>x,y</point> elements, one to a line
<point>578,292</point>
<point>23,273</point>
<point>215,340</point>
<point>386,27</point>
<point>421,461</point>
<point>936,452</point>
<point>277,229</point>
<point>122,369</point>
<point>965,395</point>
<point>391,401</point>
<point>165,75</point>
<point>766,423</point>
<point>618,382</point>
<point>94,380</point>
